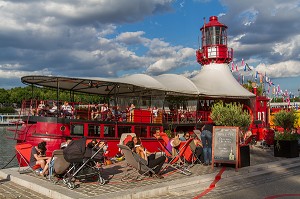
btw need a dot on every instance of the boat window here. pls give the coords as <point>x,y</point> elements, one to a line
<point>109,131</point>
<point>77,129</point>
<point>123,129</point>
<point>140,131</point>
<point>93,130</point>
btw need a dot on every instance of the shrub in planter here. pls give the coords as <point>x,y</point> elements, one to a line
<point>286,141</point>
<point>230,114</point>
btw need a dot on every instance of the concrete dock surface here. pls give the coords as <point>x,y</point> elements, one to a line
<point>173,185</point>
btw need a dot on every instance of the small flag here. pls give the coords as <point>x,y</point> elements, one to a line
<point>248,67</point>
<point>260,78</point>
<point>232,66</point>
<point>236,67</point>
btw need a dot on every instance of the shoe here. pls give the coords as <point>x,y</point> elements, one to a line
<point>205,164</point>
<point>159,176</point>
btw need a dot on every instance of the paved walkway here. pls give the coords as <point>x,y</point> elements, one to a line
<point>173,185</point>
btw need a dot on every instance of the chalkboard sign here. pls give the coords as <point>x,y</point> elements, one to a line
<point>225,145</point>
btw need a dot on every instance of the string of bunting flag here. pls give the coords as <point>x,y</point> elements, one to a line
<point>269,88</point>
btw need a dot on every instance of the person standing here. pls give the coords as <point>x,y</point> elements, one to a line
<point>206,138</point>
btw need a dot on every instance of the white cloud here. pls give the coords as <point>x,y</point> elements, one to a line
<point>282,69</point>
<point>16,73</point>
<point>288,48</point>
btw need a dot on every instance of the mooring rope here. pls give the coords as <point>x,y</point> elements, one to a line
<point>9,162</point>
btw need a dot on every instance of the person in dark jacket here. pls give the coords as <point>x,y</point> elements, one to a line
<point>152,162</point>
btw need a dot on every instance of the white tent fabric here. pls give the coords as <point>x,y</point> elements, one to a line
<point>217,80</point>
<point>214,80</point>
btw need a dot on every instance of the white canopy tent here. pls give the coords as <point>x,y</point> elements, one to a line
<point>214,80</point>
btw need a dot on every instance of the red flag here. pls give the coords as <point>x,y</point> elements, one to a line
<point>260,78</point>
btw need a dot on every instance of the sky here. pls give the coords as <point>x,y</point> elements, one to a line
<point>114,38</point>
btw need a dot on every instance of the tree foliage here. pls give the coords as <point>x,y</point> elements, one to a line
<point>18,94</point>
<point>230,114</point>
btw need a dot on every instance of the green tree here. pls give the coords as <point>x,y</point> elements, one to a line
<point>4,96</point>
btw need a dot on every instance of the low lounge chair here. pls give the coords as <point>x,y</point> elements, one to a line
<point>137,165</point>
<point>177,161</point>
<point>23,157</point>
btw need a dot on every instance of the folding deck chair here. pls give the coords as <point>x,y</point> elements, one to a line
<point>163,148</point>
<point>139,166</point>
<point>23,157</point>
<point>178,161</point>
<point>190,155</point>
<point>125,137</point>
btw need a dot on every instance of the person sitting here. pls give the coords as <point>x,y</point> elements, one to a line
<point>53,110</point>
<point>185,137</point>
<point>65,144</point>
<point>103,111</point>
<point>38,157</point>
<point>109,115</point>
<point>66,109</point>
<point>174,143</point>
<point>152,162</point>
<point>139,147</point>
<point>94,146</point>
<point>40,107</point>
<point>95,112</point>
<point>171,144</point>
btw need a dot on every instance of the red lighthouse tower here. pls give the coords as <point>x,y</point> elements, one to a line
<point>214,43</point>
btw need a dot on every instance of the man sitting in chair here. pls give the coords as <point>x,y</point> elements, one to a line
<point>152,162</point>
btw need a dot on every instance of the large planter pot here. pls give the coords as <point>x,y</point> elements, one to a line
<point>286,148</point>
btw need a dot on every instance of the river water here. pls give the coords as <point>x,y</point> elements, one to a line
<point>7,148</point>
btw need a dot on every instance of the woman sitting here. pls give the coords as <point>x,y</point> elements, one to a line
<point>152,162</point>
<point>38,157</point>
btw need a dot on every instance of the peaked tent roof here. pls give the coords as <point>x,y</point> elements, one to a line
<point>217,80</point>
<point>214,80</point>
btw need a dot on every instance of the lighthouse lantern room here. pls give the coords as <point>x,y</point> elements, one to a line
<point>214,43</point>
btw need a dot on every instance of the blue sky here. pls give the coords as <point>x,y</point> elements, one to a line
<point>112,38</point>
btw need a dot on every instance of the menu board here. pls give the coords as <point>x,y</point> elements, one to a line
<point>225,145</point>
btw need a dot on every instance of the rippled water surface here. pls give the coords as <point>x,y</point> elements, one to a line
<point>7,148</point>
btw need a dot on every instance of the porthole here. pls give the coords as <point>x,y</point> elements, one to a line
<point>62,128</point>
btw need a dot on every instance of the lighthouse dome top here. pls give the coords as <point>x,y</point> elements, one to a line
<point>213,21</point>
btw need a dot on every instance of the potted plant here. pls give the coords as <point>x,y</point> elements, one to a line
<point>232,114</point>
<point>287,137</point>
